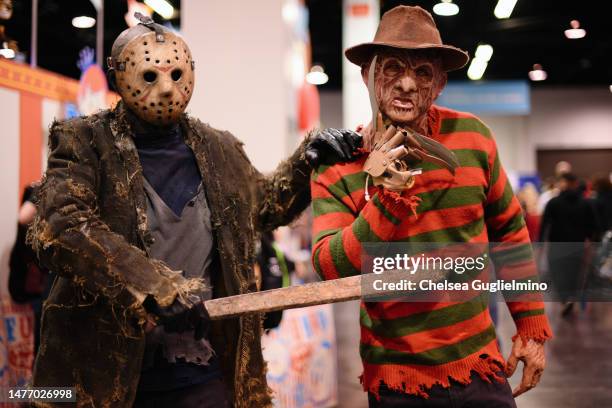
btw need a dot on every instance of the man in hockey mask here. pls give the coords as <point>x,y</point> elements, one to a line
<point>144,212</point>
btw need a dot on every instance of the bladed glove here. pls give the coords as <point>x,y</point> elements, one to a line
<point>397,152</point>
<point>386,164</point>
<point>331,146</point>
<point>182,315</point>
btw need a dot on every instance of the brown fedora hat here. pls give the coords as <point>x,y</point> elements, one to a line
<point>408,28</point>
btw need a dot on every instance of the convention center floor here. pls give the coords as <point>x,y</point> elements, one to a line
<point>578,371</point>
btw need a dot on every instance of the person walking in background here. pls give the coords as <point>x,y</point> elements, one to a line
<point>528,197</point>
<point>602,201</point>
<point>568,221</point>
<point>550,189</point>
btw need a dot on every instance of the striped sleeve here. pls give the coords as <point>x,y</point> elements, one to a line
<point>511,250</point>
<point>339,228</point>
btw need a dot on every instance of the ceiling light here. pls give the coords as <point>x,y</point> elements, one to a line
<point>484,52</point>
<point>317,76</point>
<point>7,52</point>
<point>161,7</point>
<point>83,22</point>
<point>504,8</point>
<point>290,13</point>
<point>446,8</point>
<point>537,74</point>
<point>479,63</point>
<point>477,69</point>
<point>575,32</point>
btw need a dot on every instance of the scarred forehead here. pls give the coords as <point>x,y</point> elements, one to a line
<point>411,58</point>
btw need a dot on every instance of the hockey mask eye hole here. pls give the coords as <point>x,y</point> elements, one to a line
<point>176,74</point>
<point>149,76</point>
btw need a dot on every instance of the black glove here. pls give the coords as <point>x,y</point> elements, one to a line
<point>180,317</point>
<point>331,146</point>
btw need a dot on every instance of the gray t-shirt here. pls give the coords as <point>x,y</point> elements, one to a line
<point>185,244</point>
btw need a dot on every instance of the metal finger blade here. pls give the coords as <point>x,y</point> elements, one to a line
<point>446,157</point>
<point>372,94</point>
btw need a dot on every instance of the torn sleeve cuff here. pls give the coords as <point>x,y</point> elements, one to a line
<point>397,205</point>
<point>534,327</point>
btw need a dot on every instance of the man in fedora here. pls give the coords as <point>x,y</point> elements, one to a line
<point>433,354</point>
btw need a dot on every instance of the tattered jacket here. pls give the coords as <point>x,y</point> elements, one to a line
<point>92,231</point>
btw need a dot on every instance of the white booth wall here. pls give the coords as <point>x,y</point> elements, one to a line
<point>561,118</point>
<point>9,180</point>
<point>238,47</point>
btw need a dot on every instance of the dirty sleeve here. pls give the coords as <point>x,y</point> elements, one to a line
<point>73,241</point>
<point>284,194</point>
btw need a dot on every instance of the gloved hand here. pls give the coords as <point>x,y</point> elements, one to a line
<point>385,163</point>
<point>397,152</point>
<point>181,315</point>
<point>330,146</point>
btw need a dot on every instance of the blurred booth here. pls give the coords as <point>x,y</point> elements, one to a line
<point>31,99</point>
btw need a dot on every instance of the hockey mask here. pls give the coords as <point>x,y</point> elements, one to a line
<point>154,72</point>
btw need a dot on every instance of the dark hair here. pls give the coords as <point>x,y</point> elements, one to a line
<point>569,177</point>
<point>601,183</point>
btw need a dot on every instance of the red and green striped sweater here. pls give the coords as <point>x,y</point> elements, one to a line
<point>412,346</point>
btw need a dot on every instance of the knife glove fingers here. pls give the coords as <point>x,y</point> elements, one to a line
<point>412,142</point>
<point>397,153</point>
<point>395,179</point>
<point>384,136</point>
<point>432,151</point>
<point>384,154</point>
<point>397,140</point>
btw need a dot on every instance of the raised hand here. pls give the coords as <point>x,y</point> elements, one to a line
<point>385,163</point>
<point>331,146</point>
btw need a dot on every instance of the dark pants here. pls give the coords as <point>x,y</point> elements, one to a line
<point>210,394</point>
<point>565,271</point>
<point>477,394</point>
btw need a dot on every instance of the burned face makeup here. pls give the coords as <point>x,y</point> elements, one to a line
<point>155,78</point>
<point>406,84</point>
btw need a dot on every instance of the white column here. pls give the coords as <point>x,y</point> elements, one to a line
<point>9,180</point>
<point>359,23</point>
<point>52,110</point>
<point>238,49</point>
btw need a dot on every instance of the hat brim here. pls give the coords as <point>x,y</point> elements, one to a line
<point>452,58</point>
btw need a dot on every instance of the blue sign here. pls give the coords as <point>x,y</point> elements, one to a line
<point>487,97</point>
<point>530,179</point>
<point>71,110</point>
